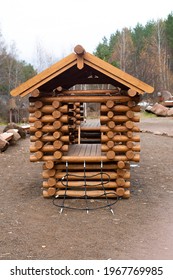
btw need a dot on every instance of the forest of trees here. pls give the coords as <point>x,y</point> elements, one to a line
<point>13,72</point>
<point>145,52</point>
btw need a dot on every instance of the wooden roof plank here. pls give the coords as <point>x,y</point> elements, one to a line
<point>117,74</point>
<point>88,59</point>
<point>45,76</point>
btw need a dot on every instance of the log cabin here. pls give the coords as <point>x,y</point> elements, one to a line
<point>84,157</point>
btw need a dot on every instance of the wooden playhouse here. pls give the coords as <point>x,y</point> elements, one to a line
<point>81,157</point>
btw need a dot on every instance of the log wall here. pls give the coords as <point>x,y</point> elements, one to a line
<point>56,123</point>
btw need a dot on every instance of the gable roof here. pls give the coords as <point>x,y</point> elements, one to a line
<point>80,68</point>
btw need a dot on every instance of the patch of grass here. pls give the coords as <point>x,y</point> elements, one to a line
<point>145,115</point>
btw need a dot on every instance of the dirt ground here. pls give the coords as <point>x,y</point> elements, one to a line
<point>141,227</point>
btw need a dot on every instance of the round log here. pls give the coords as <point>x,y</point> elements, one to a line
<point>59,89</point>
<point>89,174</point>
<point>33,149</point>
<point>48,138</point>
<point>33,158</point>
<point>130,154</point>
<point>110,144</point>
<point>121,164</point>
<point>131,103</point>
<point>89,166</point>
<point>51,172</point>
<point>117,128</point>
<point>120,118</point>
<point>38,114</point>
<point>65,138</point>
<point>51,148</point>
<point>130,114</point>
<point>116,138</point>
<point>126,194</point>
<point>64,109</point>
<point>64,128</point>
<point>48,119</point>
<point>89,193</point>
<point>110,155</point>
<point>120,191</point>
<point>129,144</point>
<point>33,138</point>
<point>38,144</point>
<point>38,124</point>
<point>49,164</point>
<point>129,134</point>
<point>48,149</point>
<point>116,108</point>
<point>111,124</point>
<point>89,159</point>
<point>51,191</point>
<point>120,148</point>
<point>110,134</point>
<point>51,182</point>
<point>32,129</point>
<point>64,119</point>
<point>123,173</point>
<point>64,148</point>
<point>39,154</point>
<point>38,134</point>
<point>82,99</point>
<point>57,155</point>
<point>120,182</point>
<point>136,119</point>
<point>131,92</point>
<point>81,184</point>
<point>79,50</point>
<point>136,108</point>
<point>57,144</point>
<point>31,109</point>
<point>38,104</point>
<point>35,93</point>
<point>110,104</point>
<point>56,114</point>
<point>57,124</point>
<point>129,124</point>
<point>55,103</point>
<point>56,134</point>
<point>32,119</point>
<point>136,148</point>
<point>110,114</point>
<point>45,194</point>
<point>47,109</point>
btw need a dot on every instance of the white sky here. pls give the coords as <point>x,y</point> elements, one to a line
<point>61,24</point>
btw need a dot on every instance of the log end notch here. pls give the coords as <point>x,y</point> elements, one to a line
<point>79,50</point>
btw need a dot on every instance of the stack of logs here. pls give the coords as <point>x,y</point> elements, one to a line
<point>119,139</point>
<point>54,126</point>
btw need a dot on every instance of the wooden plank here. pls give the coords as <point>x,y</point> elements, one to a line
<point>84,150</point>
<point>93,149</point>
<point>88,150</point>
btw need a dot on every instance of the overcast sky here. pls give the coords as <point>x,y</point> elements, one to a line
<point>59,25</point>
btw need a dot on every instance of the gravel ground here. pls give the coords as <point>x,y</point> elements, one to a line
<point>141,227</point>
